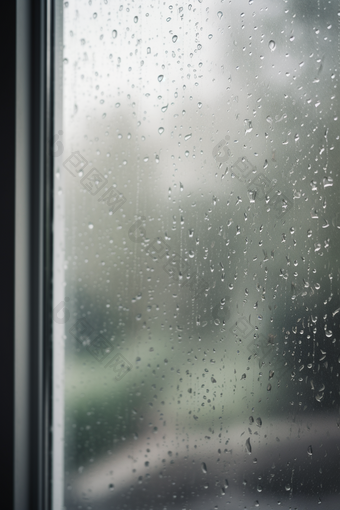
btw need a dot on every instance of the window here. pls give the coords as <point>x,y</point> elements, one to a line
<point>195,357</point>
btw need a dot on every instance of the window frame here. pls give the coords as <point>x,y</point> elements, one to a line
<point>33,54</point>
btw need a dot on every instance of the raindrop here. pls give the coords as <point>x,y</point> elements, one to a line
<point>220,14</point>
<point>272,45</point>
<point>259,422</point>
<point>204,467</point>
<point>94,15</point>
<point>135,19</point>
<point>114,34</point>
<point>187,137</point>
<point>269,387</point>
<point>310,450</point>
<point>248,445</point>
<point>90,226</point>
<point>174,38</point>
<point>327,181</point>
<point>111,486</point>
<point>199,105</point>
<point>164,108</point>
<point>160,130</point>
<point>160,78</point>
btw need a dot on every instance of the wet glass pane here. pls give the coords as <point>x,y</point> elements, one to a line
<point>196,282</point>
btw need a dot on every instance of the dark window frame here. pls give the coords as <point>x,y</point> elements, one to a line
<point>32,285</point>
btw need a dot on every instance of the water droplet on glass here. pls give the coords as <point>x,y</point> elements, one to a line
<point>111,486</point>
<point>327,181</point>
<point>310,450</point>
<point>259,422</point>
<point>90,226</point>
<point>135,19</point>
<point>114,34</point>
<point>272,45</point>
<point>187,137</point>
<point>174,38</point>
<point>160,77</point>
<point>160,130</point>
<point>164,108</point>
<point>220,14</point>
<point>248,445</point>
<point>94,15</point>
<point>204,467</point>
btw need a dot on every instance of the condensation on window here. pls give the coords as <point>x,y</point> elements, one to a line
<point>196,282</point>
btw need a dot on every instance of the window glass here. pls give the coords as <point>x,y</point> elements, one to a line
<point>196,301</point>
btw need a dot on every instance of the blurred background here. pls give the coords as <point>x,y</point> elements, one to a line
<point>196,353</point>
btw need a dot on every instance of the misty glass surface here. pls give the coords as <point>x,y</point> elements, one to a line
<point>196,255</point>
